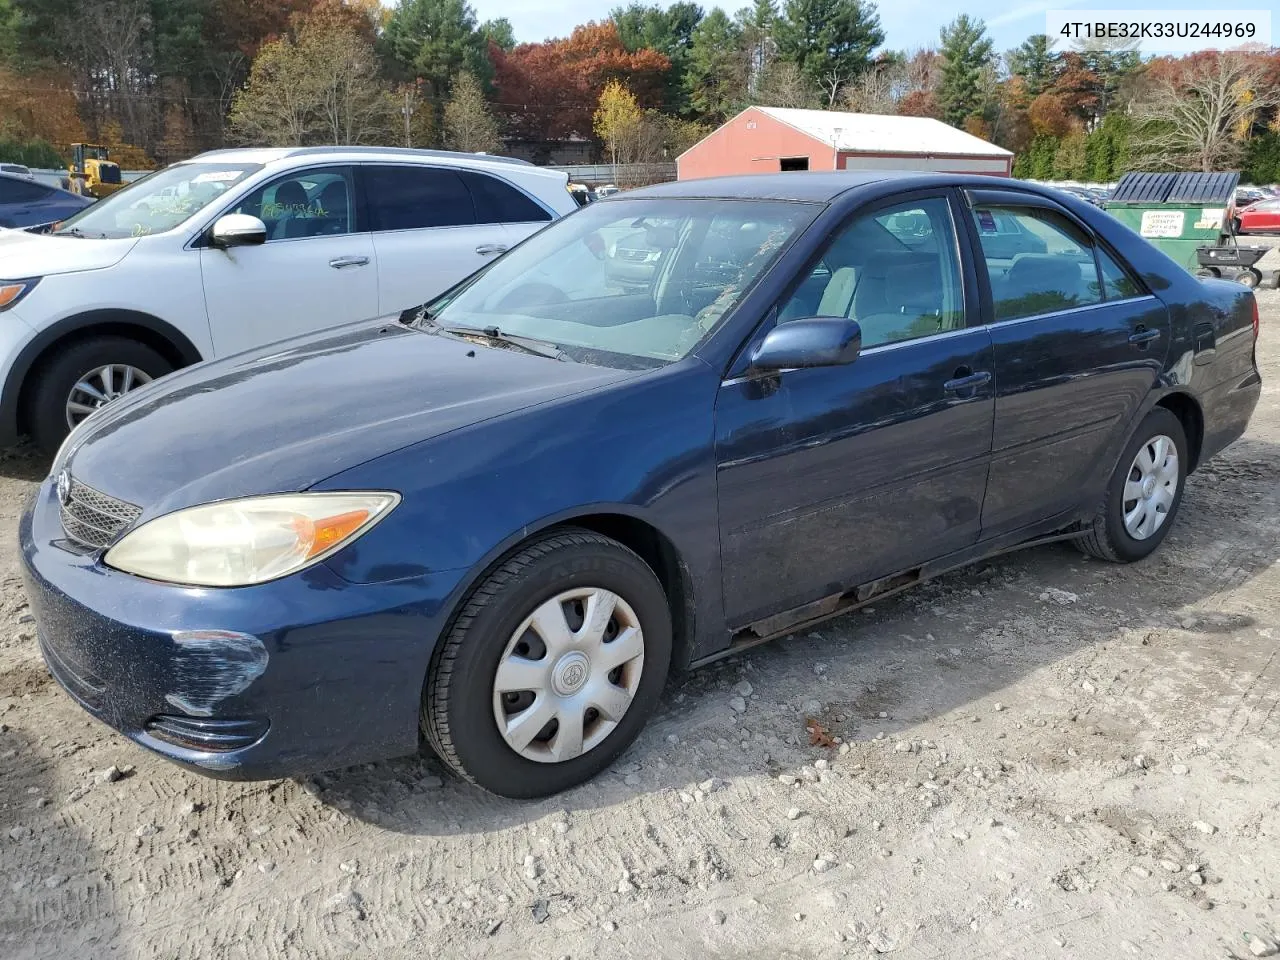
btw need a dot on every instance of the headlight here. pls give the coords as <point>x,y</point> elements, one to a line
<point>11,291</point>
<point>241,542</point>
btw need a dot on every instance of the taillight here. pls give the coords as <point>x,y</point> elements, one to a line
<point>1257,320</point>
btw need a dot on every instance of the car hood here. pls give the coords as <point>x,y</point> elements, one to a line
<point>25,254</point>
<point>283,418</point>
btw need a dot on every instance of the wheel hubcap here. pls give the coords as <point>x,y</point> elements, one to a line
<point>100,386</point>
<point>568,675</point>
<point>1151,487</point>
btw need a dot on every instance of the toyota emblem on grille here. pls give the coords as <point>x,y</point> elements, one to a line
<point>64,487</point>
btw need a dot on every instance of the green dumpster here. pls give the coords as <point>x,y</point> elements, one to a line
<point>1178,212</point>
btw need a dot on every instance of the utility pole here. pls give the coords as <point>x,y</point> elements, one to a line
<point>407,110</point>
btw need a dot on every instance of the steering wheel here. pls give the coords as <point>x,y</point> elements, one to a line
<point>533,294</point>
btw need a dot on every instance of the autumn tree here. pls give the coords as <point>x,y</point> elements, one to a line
<point>320,86</point>
<point>468,124</point>
<point>617,121</point>
<point>1199,115</point>
<point>547,91</point>
<point>966,51</point>
<point>831,41</point>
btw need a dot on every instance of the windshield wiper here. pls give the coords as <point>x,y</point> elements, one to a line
<point>539,348</point>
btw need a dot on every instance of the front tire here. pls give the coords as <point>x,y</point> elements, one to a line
<point>1143,495</point>
<point>551,668</point>
<point>77,379</point>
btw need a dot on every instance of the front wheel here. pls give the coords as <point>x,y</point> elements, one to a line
<point>1143,494</point>
<point>82,377</point>
<point>552,667</point>
<point>1250,277</point>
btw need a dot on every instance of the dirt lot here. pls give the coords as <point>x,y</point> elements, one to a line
<point>1042,756</point>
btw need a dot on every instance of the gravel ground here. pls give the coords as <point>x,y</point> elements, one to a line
<point>1041,755</point>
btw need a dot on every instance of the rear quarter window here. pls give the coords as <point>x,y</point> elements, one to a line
<point>499,202</point>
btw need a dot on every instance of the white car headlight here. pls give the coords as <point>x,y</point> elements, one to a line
<point>241,542</point>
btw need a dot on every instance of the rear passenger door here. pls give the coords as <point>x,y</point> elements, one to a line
<point>425,232</point>
<point>498,201</point>
<point>1078,345</point>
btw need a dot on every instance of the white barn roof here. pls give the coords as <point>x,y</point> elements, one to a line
<point>876,133</point>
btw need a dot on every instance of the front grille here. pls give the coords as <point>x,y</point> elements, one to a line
<point>94,519</point>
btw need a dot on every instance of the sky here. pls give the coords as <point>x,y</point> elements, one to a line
<point>907,23</point>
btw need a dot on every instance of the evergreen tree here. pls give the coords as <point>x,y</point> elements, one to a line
<point>1034,62</point>
<point>715,78</point>
<point>831,41</point>
<point>966,50</point>
<point>435,40</point>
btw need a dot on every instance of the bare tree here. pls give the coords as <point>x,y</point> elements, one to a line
<point>783,85</point>
<point>1199,117</point>
<point>876,91</point>
<point>468,124</point>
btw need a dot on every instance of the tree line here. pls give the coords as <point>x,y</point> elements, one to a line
<point>159,80</point>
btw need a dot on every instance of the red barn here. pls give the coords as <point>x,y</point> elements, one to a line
<point>769,139</point>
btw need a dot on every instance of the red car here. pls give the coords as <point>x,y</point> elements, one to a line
<point>1260,217</point>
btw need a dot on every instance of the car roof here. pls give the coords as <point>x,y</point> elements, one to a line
<point>266,155</point>
<point>815,187</point>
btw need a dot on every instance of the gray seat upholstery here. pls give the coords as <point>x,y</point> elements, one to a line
<point>1037,283</point>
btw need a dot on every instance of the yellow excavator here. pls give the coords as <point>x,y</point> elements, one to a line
<point>91,173</point>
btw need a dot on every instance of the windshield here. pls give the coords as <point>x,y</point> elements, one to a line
<point>157,202</point>
<point>629,283</point>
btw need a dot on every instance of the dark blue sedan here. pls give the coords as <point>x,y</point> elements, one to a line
<point>24,203</point>
<point>498,522</point>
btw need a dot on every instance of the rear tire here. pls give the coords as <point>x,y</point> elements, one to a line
<point>465,695</point>
<point>54,379</point>
<point>1110,537</point>
<point>1250,278</point>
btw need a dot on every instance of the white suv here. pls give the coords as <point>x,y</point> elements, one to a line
<point>237,248</point>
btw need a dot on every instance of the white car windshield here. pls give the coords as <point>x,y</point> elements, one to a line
<point>157,202</point>
<point>627,283</point>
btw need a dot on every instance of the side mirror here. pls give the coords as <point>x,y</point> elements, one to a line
<point>810,342</point>
<point>238,230</point>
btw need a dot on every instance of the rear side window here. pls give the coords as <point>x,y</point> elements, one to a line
<point>1043,265</point>
<point>1115,279</point>
<point>412,198</point>
<point>499,202</point>
<point>21,191</point>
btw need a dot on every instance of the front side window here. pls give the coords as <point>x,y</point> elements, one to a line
<point>1045,266</point>
<point>631,283</point>
<point>413,198</point>
<point>304,203</point>
<point>159,201</point>
<point>896,271</point>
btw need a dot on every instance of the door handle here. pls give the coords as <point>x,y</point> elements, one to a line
<point>339,262</point>
<point>1143,336</point>
<point>489,249</point>
<point>967,381</point>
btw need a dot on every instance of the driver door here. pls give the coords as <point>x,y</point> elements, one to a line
<point>831,477</point>
<point>316,269</point>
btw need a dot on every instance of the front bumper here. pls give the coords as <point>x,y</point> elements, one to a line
<point>305,673</point>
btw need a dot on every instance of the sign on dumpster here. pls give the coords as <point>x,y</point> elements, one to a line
<point>1162,223</point>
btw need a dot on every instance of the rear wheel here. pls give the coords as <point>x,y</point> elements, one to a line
<point>1250,277</point>
<point>1143,494</point>
<point>77,380</point>
<point>552,667</point>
